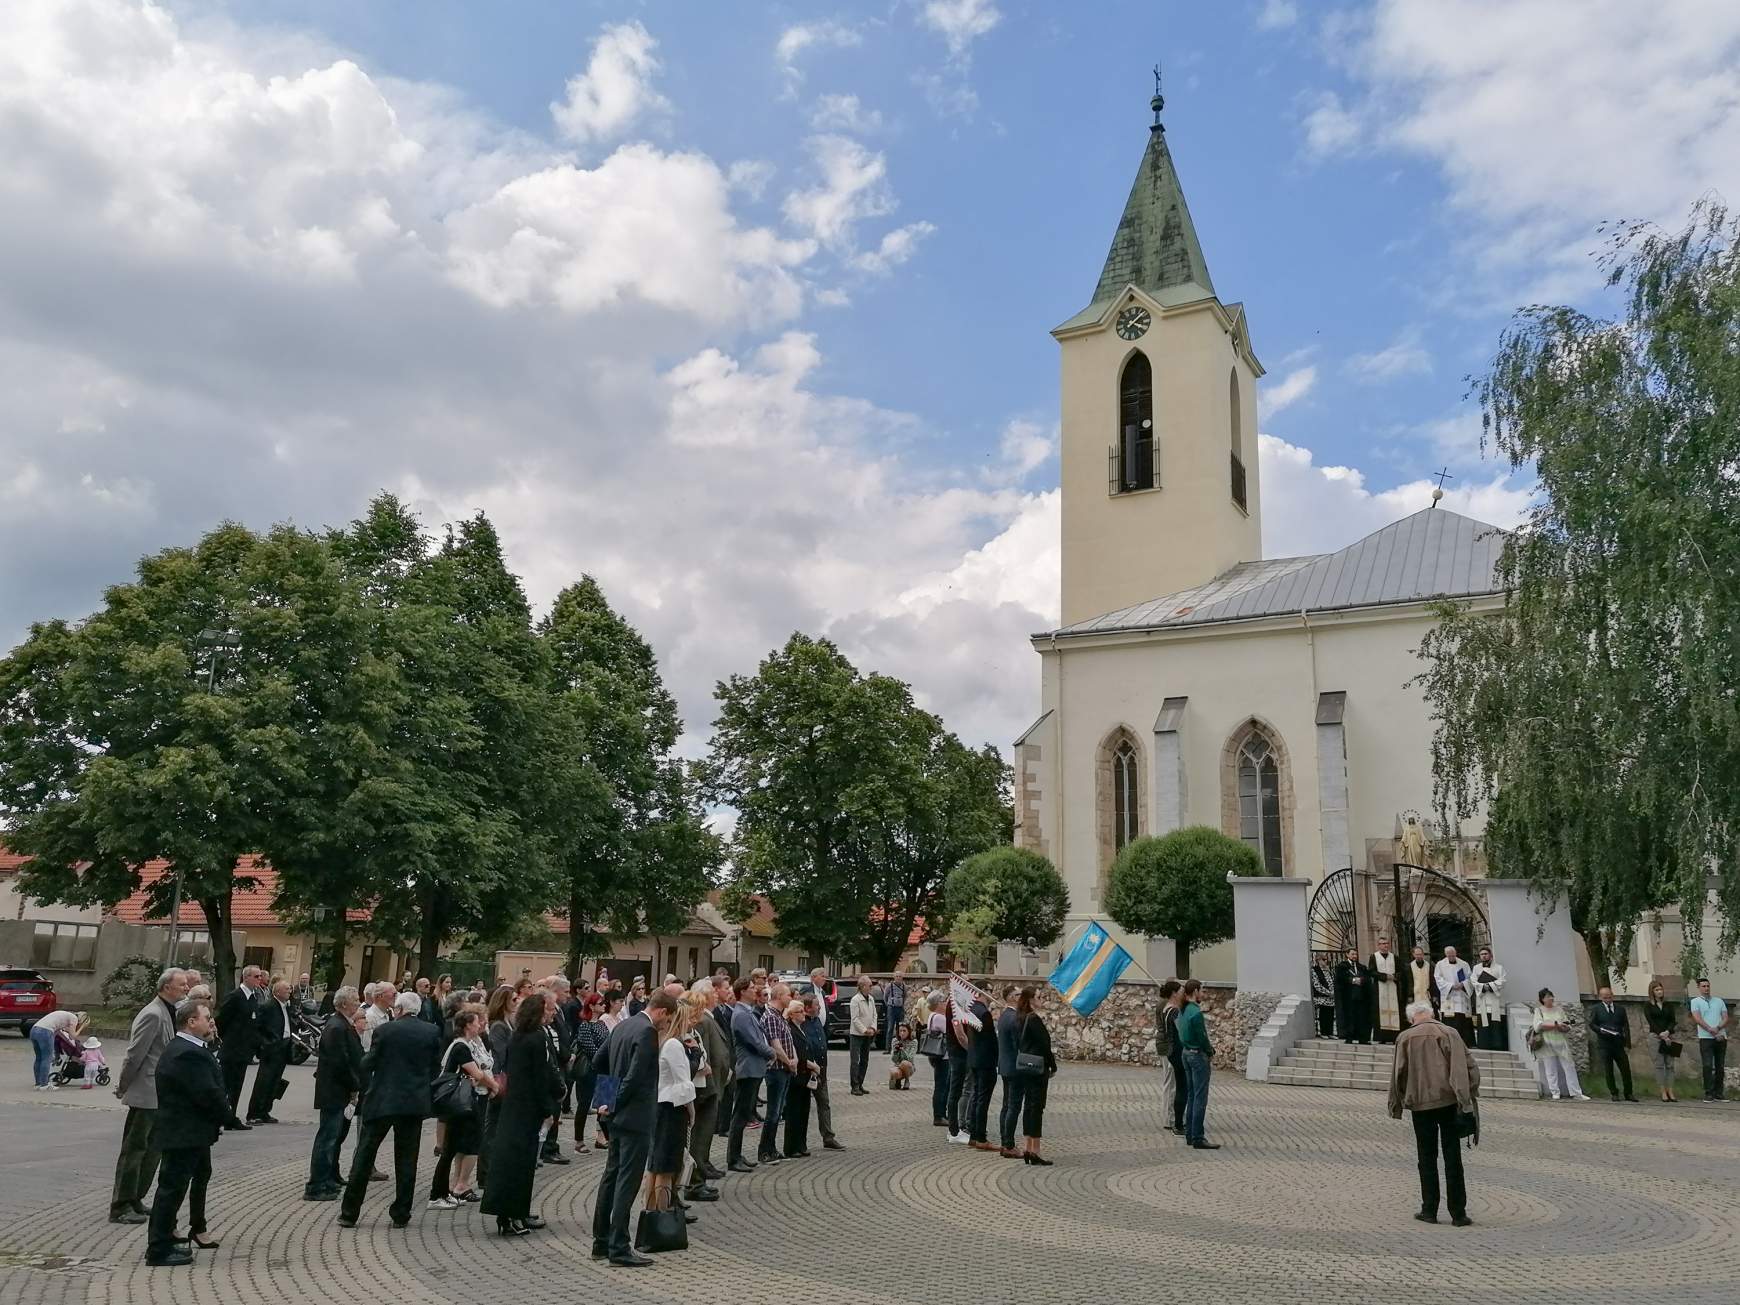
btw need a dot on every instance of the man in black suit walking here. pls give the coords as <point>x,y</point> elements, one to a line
<point>272,1027</point>
<point>631,1054</point>
<point>402,1061</point>
<point>338,1081</point>
<point>191,1109</point>
<point>239,1037</point>
<point>1613,1035</point>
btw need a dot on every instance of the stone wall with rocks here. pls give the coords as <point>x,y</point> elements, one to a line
<point>1122,1029</point>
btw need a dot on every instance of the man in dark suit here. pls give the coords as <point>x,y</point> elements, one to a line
<point>1613,1035</point>
<point>239,1036</point>
<point>982,1065</point>
<point>272,1030</point>
<point>338,1081</point>
<point>402,1061</point>
<point>631,1054</point>
<point>191,1108</point>
<point>1009,1112</point>
<point>559,1036</point>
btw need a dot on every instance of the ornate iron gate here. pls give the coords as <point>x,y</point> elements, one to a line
<point>1413,904</point>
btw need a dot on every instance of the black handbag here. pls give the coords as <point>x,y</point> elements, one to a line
<point>930,1043</point>
<point>451,1097</point>
<point>661,1230</point>
<point>1670,1049</point>
<point>1028,1064</point>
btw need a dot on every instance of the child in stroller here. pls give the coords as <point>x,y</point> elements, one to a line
<point>76,1056</point>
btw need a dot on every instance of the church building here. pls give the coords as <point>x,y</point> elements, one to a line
<point>1194,681</point>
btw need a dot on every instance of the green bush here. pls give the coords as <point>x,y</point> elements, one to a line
<point>133,982</point>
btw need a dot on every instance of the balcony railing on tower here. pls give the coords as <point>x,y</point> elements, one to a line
<point>1133,465</point>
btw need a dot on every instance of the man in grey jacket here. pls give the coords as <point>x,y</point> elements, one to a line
<point>753,1055</point>
<point>152,1029</point>
<point>1436,1078</point>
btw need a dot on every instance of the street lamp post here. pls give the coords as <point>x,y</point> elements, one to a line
<point>217,641</point>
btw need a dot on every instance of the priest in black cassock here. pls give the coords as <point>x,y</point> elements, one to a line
<point>1353,999</point>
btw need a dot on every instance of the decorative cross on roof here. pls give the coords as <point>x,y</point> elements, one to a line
<point>1443,475</point>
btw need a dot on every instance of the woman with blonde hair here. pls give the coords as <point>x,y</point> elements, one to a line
<point>675,1112</point>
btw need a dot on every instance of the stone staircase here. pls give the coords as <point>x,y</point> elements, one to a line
<point>1327,1062</point>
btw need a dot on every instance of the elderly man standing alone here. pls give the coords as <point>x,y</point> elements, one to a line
<point>1436,1078</point>
<point>152,1029</point>
<point>338,1082</point>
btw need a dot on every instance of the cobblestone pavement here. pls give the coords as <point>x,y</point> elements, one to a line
<point>1309,1201</point>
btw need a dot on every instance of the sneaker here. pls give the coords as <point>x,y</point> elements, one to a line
<point>443,1203</point>
<point>1580,1097</point>
<point>1555,1096</point>
<point>960,1138</point>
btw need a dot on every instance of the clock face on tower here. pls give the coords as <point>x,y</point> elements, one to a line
<point>1133,322</point>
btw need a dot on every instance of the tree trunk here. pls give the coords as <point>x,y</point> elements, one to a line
<point>579,929</point>
<point>1595,940</point>
<point>223,947</point>
<point>434,929</point>
<point>1181,958</point>
<point>331,964</point>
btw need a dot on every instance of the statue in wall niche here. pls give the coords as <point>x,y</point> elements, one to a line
<point>1411,847</point>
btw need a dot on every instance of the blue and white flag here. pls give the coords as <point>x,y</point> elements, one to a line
<point>1087,974</point>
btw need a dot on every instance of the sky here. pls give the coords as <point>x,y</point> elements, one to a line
<point>744,309</point>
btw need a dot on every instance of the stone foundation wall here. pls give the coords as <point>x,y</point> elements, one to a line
<point>1122,1030</point>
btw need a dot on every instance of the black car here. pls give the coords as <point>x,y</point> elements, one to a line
<point>839,994</point>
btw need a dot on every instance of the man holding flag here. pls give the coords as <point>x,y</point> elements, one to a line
<point>1087,973</point>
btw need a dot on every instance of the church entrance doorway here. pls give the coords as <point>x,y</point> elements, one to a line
<point>1413,905</point>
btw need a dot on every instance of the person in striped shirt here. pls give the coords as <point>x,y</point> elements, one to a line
<point>779,1070</point>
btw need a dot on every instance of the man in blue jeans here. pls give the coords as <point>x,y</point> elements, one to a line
<point>338,1082</point>
<point>1198,1053</point>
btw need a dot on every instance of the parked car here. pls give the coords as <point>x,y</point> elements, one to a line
<point>839,994</point>
<point>25,997</point>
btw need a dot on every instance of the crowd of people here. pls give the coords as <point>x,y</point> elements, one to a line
<point>662,1077</point>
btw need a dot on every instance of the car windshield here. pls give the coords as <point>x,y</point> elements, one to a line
<point>23,984</point>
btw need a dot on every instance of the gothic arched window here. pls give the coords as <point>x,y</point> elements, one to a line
<point>1125,800</point>
<point>1237,422</point>
<point>1259,779</point>
<point>1136,466</point>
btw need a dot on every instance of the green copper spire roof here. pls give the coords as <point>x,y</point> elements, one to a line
<point>1155,247</point>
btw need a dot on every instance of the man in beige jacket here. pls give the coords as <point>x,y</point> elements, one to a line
<point>1436,1077</point>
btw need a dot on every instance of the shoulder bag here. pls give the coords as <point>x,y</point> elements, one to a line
<point>930,1043</point>
<point>1027,1064</point>
<point>451,1096</point>
<point>661,1230</point>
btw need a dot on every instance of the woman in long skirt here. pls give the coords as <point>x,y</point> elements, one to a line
<point>533,1089</point>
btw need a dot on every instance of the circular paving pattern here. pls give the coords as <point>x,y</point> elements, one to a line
<point>1308,1201</point>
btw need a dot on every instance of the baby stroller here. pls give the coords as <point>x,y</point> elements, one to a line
<point>78,1060</point>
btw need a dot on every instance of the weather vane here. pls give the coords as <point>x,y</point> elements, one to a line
<point>1442,475</point>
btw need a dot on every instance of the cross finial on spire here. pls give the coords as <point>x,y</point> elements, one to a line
<point>1438,493</point>
<point>1158,102</point>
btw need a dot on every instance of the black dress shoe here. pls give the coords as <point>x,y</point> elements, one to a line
<point>170,1259</point>
<point>555,1158</point>
<point>266,1119</point>
<point>401,1224</point>
<point>1205,1146</point>
<point>129,1216</point>
<point>599,1251</point>
<point>1423,1217</point>
<point>631,1260</point>
<point>700,1193</point>
<point>321,1195</point>
<point>795,1155</point>
<point>713,1172</point>
<point>834,1144</point>
<point>237,1126</point>
<point>1461,1220</point>
<point>346,1221</point>
<point>742,1167</point>
<point>138,1207</point>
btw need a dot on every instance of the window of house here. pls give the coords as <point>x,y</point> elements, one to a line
<point>1125,795</point>
<point>1135,465</point>
<point>764,961</point>
<point>1260,801</point>
<point>670,960</point>
<point>694,963</point>
<point>193,948</point>
<point>1238,465</point>
<point>58,946</point>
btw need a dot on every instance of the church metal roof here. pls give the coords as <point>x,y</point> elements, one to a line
<point>1435,553</point>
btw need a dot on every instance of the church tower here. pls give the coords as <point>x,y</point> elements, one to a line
<point>1159,445</point>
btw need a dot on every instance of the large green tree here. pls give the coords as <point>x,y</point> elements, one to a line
<point>1175,886</point>
<point>192,719</point>
<point>1596,714</point>
<point>629,847</point>
<point>853,804</point>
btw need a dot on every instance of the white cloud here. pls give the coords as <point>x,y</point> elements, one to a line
<point>948,96</point>
<point>251,279</point>
<point>1549,118</point>
<point>1406,357</point>
<point>1312,509</point>
<point>750,176</point>
<point>1277,13</point>
<point>854,186</point>
<point>894,249</point>
<point>1329,127</point>
<point>616,88</point>
<point>796,40</point>
<point>1025,446</point>
<point>845,113</point>
<point>1284,393</point>
<point>960,22</point>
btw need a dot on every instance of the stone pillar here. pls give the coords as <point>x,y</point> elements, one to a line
<point>1171,801</point>
<point>1332,781</point>
<point>1535,946</point>
<point>1269,934</point>
<point>1009,958</point>
<point>927,957</point>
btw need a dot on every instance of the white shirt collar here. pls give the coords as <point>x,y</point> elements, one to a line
<point>183,1033</point>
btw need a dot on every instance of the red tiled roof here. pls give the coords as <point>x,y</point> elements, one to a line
<point>250,910</point>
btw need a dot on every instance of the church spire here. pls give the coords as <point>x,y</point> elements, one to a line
<point>1155,247</point>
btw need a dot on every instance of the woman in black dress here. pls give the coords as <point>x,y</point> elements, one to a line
<point>468,1055</point>
<point>1032,1038</point>
<point>499,1017</point>
<point>533,1088</point>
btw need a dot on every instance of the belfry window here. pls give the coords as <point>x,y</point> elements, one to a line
<point>1238,464</point>
<point>1134,461</point>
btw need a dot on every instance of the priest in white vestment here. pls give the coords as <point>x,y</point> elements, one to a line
<point>1455,983</point>
<point>1490,1033</point>
<point>1383,966</point>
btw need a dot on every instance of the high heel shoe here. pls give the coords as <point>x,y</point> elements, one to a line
<point>512,1228</point>
<point>199,1240</point>
<point>1034,1158</point>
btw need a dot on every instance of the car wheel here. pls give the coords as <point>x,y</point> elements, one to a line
<point>25,1027</point>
